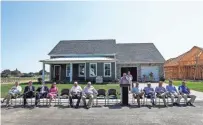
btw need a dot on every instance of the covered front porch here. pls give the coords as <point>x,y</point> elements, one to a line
<point>80,68</point>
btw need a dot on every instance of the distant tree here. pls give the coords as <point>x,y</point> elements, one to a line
<point>16,73</point>
<point>6,73</point>
<point>36,73</point>
<point>40,72</point>
<point>31,74</point>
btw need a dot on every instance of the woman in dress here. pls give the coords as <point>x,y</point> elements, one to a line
<point>52,92</point>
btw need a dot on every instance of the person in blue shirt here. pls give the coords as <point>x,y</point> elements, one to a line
<point>149,92</point>
<point>172,92</point>
<point>185,92</point>
<point>161,92</point>
<point>137,93</point>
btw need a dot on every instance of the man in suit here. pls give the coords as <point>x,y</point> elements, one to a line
<point>42,92</point>
<point>29,92</point>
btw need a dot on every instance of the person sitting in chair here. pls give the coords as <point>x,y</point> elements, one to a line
<point>161,92</point>
<point>149,92</point>
<point>172,92</point>
<point>53,92</point>
<point>29,92</point>
<point>137,93</point>
<point>185,92</point>
<point>42,92</point>
<point>88,92</point>
<point>75,92</point>
<point>13,92</point>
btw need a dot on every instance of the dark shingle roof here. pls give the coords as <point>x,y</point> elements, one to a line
<point>105,46</point>
<point>125,52</point>
<point>138,52</point>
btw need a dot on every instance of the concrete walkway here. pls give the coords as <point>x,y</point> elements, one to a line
<point>111,115</point>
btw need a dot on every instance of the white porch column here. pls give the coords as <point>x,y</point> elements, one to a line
<point>50,72</point>
<point>85,70</point>
<point>71,72</point>
<point>43,68</point>
<point>115,71</point>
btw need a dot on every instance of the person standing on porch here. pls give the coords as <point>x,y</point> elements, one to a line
<point>130,78</point>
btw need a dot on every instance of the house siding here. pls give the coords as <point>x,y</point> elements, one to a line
<point>100,72</point>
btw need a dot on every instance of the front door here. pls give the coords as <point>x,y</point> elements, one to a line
<point>57,70</point>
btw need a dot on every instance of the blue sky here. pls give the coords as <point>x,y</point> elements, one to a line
<point>31,29</point>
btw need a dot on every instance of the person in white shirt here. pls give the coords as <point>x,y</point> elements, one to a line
<point>88,92</point>
<point>137,93</point>
<point>75,93</point>
<point>130,78</point>
<point>13,92</point>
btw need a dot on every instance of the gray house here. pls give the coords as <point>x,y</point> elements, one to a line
<point>86,60</point>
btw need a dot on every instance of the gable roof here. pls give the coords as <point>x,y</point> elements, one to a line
<point>138,53</point>
<point>103,46</point>
<point>125,52</point>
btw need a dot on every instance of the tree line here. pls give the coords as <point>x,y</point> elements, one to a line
<point>17,73</point>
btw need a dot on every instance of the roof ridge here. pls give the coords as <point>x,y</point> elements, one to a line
<point>133,43</point>
<point>88,40</point>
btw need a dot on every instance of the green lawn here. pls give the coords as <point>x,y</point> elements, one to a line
<point>198,86</point>
<point>5,87</point>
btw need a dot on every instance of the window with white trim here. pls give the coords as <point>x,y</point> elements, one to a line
<point>81,70</point>
<point>67,70</point>
<point>107,69</point>
<point>93,69</point>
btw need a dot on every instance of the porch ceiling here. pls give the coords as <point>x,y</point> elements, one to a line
<point>77,60</point>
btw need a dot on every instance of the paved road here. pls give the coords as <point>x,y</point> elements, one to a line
<point>113,115</point>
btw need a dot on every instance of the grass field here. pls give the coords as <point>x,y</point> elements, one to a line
<point>5,87</point>
<point>198,86</point>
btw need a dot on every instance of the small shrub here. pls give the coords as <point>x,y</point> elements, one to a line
<point>39,80</point>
